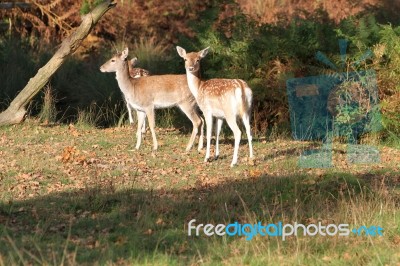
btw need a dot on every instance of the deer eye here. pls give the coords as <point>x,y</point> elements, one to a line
<point>113,60</point>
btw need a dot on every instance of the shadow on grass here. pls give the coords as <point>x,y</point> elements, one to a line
<point>296,151</point>
<point>109,225</point>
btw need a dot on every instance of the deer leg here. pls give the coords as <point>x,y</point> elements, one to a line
<point>141,116</point>
<point>231,120</point>
<point>191,112</point>
<point>246,122</point>
<point>143,128</point>
<point>218,125</point>
<point>144,125</point>
<point>129,112</point>
<point>209,123</point>
<point>151,119</point>
<point>201,137</point>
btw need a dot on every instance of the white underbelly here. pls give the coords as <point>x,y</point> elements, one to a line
<point>136,107</point>
<point>157,105</point>
<point>161,105</point>
<point>218,113</point>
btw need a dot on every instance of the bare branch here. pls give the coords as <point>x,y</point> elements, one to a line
<point>16,111</point>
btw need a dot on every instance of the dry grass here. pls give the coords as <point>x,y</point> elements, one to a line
<point>74,194</point>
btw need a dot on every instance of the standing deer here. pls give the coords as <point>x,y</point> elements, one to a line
<point>147,93</point>
<point>221,98</point>
<point>135,72</point>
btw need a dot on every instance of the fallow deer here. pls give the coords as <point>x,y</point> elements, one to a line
<point>221,98</point>
<point>135,72</point>
<point>147,93</point>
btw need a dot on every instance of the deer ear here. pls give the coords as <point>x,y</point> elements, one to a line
<point>124,53</point>
<point>133,61</point>
<point>181,51</point>
<point>204,52</point>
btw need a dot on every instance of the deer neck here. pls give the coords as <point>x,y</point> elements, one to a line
<point>123,78</point>
<point>194,82</point>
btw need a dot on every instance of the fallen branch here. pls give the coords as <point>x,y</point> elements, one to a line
<point>15,113</point>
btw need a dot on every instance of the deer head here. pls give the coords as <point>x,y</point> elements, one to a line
<point>116,63</point>
<point>192,60</point>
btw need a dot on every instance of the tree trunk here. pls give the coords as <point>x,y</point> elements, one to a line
<point>15,113</point>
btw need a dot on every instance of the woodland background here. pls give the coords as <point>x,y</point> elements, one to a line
<point>262,42</point>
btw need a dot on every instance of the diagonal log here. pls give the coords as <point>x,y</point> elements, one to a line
<point>15,113</point>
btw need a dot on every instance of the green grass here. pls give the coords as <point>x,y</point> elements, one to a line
<point>110,204</point>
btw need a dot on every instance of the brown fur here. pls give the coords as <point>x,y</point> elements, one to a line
<point>220,99</point>
<point>136,72</point>
<point>147,93</point>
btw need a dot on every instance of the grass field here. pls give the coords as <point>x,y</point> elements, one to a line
<point>81,195</point>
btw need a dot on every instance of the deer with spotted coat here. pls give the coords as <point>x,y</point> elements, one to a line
<point>220,98</point>
<point>135,72</point>
<point>144,94</point>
